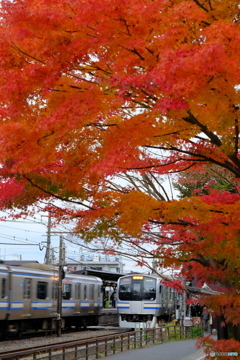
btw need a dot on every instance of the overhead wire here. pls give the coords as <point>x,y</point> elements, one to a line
<point>10,227</point>
<point>17,238</point>
<point>19,244</point>
<point>35,220</point>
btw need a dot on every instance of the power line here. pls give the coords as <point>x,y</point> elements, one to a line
<point>10,227</point>
<point>25,222</point>
<point>10,237</point>
<point>19,244</point>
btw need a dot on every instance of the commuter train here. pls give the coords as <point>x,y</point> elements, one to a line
<point>143,300</point>
<point>29,299</point>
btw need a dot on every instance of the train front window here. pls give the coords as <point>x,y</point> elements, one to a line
<point>149,288</point>
<point>137,288</point>
<point>125,292</point>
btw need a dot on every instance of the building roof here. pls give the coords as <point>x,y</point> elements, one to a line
<point>204,291</point>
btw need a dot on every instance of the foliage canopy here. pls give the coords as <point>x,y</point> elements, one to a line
<point>93,92</point>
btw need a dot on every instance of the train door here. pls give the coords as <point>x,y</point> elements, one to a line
<point>170,302</point>
<point>77,298</point>
<point>150,303</point>
<point>54,297</point>
<point>4,297</point>
<point>99,298</point>
<point>137,290</point>
<point>160,296</point>
<point>68,303</point>
<point>84,299</point>
<point>91,298</point>
<point>27,297</point>
<point>164,297</point>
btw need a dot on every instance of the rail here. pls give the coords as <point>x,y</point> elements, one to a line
<point>104,346</point>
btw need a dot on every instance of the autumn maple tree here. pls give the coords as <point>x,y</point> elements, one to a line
<point>100,100</point>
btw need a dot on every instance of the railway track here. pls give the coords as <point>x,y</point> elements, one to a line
<point>66,344</point>
<point>44,333</point>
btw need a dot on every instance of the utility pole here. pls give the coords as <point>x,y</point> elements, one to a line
<point>52,259</point>
<point>60,278</point>
<point>47,255</point>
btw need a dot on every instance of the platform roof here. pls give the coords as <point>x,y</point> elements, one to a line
<point>108,278</point>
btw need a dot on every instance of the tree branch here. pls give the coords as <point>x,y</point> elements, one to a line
<point>200,5</point>
<point>226,164</point>
<point>56,196</point>
<point>194,121</point>
<point>32,57</point>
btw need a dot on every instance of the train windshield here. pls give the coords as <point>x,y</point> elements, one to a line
<point>137,288</point>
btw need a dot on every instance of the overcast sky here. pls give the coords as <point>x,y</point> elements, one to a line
<point>26,240</point>
<point>23,237</point>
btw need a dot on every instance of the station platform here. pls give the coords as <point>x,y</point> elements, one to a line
<point>109,316</point>
<point>109,310</point>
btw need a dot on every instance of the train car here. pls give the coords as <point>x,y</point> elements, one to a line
<point>82,300</point>
<point>29,299</point>
<point>143,300</point>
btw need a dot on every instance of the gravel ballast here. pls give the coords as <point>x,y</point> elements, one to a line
<point>45,340</point>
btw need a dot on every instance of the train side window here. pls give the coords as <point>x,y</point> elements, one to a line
<point>27,289</point>
<point>85,292</point>
<point>67,290</point>
<point>160,289</point>
<point>4,288</point>
<point>42,290</point>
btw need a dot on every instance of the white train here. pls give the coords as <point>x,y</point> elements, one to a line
<point>143,300</point>
<point>28,299</point>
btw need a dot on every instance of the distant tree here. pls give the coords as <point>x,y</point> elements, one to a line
<point>198,181</point>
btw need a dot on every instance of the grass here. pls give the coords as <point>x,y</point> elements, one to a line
<point>196,331</point>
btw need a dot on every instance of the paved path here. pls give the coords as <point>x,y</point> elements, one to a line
<point>176,350</point>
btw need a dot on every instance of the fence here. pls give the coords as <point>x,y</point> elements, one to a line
<point>90,350</point>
